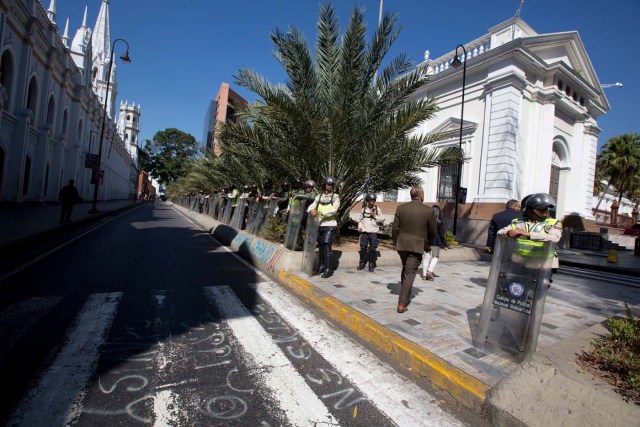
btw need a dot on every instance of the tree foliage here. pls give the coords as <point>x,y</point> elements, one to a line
<point>168,155</point>
<point>619,163</point>
<point>336,115</point>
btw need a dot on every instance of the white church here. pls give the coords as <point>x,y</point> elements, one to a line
<point>52,102</point>
<point>531,103</point>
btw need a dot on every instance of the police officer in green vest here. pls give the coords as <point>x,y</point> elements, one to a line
<point>536,227</point>
<point>325,207</point>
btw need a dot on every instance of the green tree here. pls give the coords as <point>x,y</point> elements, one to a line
<point>168,154</point>
<point>336,115</point>
<point>619,163</point>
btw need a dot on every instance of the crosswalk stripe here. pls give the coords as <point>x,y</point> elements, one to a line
<point>394,395</point>
<point>57,397</point>
<point>18,318</point>
<point>294,396</point>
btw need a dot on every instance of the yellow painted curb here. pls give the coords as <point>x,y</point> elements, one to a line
<point>465,388</point>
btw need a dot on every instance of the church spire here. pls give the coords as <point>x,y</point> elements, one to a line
<point>101,42</point>
<point>51,12</point>
<point>65,35</point>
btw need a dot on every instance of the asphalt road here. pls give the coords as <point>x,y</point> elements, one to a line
<point>145,319</point>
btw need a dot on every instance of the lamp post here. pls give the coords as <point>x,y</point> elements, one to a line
<point>456,63</point>
<point>96,176</point>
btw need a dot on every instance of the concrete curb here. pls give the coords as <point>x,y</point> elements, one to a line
<point>463,387</point>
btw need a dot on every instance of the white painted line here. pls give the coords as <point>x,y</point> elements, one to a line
<point>57,398</point>
<point>300,404</point>
<point>393,394</point>
<point>16,320</point>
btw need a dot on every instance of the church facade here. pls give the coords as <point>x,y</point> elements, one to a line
<point>531,103</point>
<point>52,97</point>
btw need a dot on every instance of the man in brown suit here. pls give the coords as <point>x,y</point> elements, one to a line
<point>414,231</point>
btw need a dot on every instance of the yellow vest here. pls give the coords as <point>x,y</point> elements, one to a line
<point>533,248</point>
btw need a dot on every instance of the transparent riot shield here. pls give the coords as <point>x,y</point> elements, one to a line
<point>219,208</point>
<point>238,214</point>
<point>253,208</point>
<point>309,247</point>
<point>294,222</point>
<point>272,205</point>
<point>226,215</point>
<point>514,298</point>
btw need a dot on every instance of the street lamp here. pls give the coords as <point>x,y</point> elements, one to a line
<point>456,63</point>
<point>96,176</point>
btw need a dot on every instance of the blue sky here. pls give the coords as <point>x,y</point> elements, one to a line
<point>182,50</point>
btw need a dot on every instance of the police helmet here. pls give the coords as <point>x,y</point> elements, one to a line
<point>232,187</point>
<point>310,183</point>
<point>540,201</point>
<point>329,181</point>
<point>267,184</point>
<point>246,187</point>
<point>285,184</point>
<point>296,182</point>
<point>370,196</point>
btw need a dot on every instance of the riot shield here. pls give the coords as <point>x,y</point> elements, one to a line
<point>254,206</point>
<point>260,213</point>
<point>514,298</point>
<point>238,214</point>
<point>219,208</point>
<point>271,207</point>
<point>309,247</point>
<point>294,223</point>
<point>226,215</point>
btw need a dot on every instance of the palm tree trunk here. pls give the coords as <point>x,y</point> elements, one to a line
<point>602,197</point>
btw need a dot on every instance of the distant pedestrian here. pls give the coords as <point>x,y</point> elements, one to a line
<point>368,226</point>
<point>501,220</point>
<point>432,256</point>
<point>68,197</point>
<point>414,229</point>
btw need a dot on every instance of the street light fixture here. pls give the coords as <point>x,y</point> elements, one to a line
<point>456,63</point>
<point>96,176</point>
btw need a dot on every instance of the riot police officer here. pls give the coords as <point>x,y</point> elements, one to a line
<point>325,207</point>
<point>368,226</point>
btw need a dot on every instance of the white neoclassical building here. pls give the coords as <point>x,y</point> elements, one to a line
<point>530,124</point>
<point>52,92</point>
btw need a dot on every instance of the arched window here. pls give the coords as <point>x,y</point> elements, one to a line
<point>6,74</point>
<point>94,73</point>
<point>27,175</point>
<point>79,130</point>
<point>65,122</point>
<point>51,110</point>
<point>46,180</point>
<point>32,95</point>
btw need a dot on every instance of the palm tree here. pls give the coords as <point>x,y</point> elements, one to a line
<point>619,163</point>
<point>336,116</point>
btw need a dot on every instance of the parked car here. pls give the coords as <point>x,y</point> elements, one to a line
<point>633,231</point>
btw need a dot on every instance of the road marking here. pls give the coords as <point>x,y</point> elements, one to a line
<point>393,394</point>
<point>295,398</point>
<point>18,318</point>
<point>57,398</point>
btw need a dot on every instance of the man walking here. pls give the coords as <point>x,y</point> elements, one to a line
<point>68,197</point>
<point>414,230</point>
<point>501,220</point>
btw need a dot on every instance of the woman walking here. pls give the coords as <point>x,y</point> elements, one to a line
<point>430,259</point>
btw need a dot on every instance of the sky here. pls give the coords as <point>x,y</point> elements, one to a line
<point>182,50</point>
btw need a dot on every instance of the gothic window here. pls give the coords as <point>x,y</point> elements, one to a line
<point>79,130</point>
<point>6,73</point>
<point>51,110</point>
<point>133,139</point>
<point>27,175</point>
<point>128,117</point>
<point>32,94</point>
<point>447,182</point>
<point>46,180</point>
<point>65,121</point>
<point>94,73</point>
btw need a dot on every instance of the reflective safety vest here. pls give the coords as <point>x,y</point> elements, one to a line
<point>325,206</point>
<point>533,248</point>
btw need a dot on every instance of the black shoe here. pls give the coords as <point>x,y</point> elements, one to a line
<point>360,266</point>
<point>327,273</point>
<point>371,267</point>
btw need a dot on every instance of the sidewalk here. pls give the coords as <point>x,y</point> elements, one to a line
<point>433,340</point>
